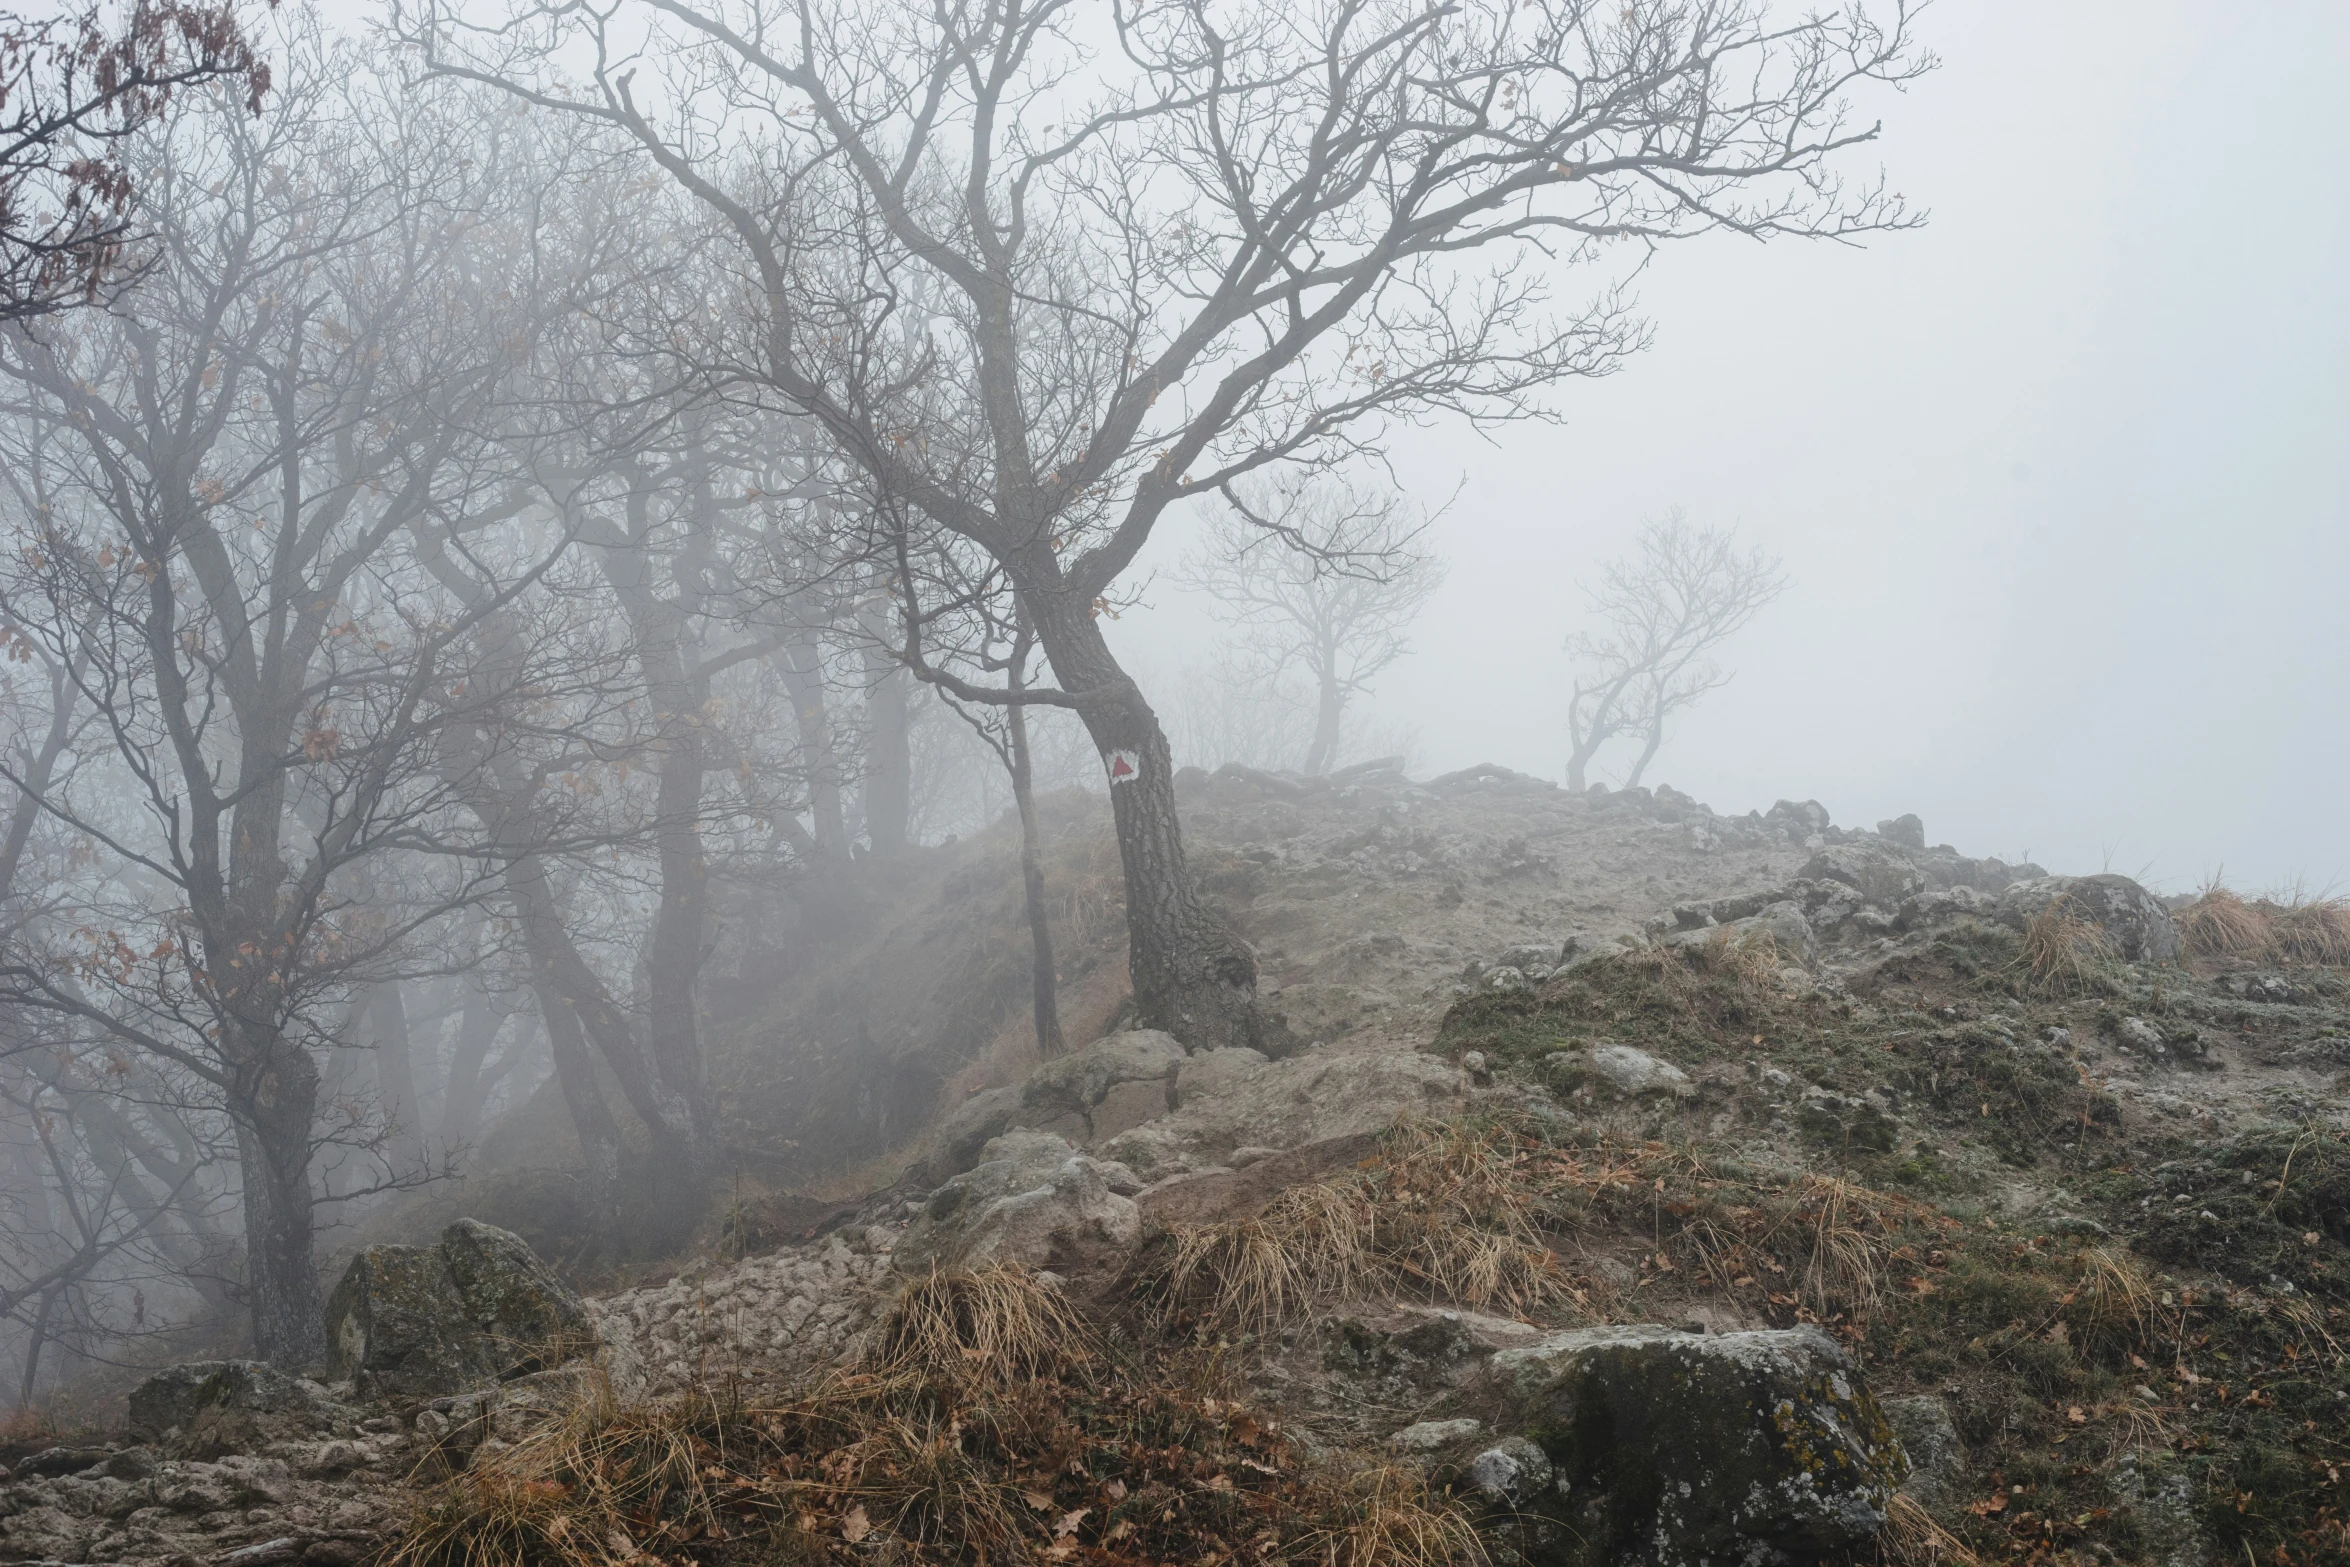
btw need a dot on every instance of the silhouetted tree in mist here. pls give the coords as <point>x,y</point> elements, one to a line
<point>1660,612</point>
<point>1325,580</point>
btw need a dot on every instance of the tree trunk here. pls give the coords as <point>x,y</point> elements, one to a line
<point>1049,1042</point>
<point>271,1105</point>
<point>591,1117</point>
<point>558,968</point>
<point>1656,737</point>
<point>1324,750</point>
<point>479,1022</point>
<point>801,666</point>
<point>35,1338</point>
<point>889,767</point>
<point>674,958</point>
<point>395,1082</point>
<point>1192,976</point>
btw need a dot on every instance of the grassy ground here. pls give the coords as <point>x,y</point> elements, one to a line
<point>2168,1337</point>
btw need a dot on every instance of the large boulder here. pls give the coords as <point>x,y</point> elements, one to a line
<point>1031,1199</point>
<point>210,1407</point>
<point>1684,1449</point>
<point>2132,918</point>
<point>422,1321</point>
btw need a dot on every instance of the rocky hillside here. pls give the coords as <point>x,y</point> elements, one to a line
<point>1648,1185</point>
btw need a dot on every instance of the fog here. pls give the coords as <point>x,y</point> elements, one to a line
<point>2060,479</point>
<point>642,634</point>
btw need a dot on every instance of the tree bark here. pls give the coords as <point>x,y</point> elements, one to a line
<point>270,1105</point>
<point>801,666</point>
<point>479,1023</point>
<point>1192,976</point>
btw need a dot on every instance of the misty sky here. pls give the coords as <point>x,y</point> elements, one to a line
<point>2060,479</point>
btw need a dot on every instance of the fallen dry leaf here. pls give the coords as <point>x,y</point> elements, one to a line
<point>855,1526</point>
<point>1070,1521</point>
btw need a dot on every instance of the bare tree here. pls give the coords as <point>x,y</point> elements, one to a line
<point>1039,293</point>
<point>1325,580</point>
<point>1660,612</point>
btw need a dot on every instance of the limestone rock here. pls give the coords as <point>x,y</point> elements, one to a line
<point>1513,1475</point>
<point>1689,1448</point>
<point>1031,1199</point>
<point>968,1128</point>
<point>1288,1104</point>
<point>1213,1072</point>
<point>1879,872</point>
<point>1434,1436</point>
<point>428,1320</point>
<point>2133,919</point>
<point>509,1294</point>
<point>209,1407</point>
<point>1615,1069</point>
<point>1906,831</point>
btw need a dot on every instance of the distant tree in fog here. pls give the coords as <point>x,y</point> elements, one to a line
<point>1659,612</point>
<point>1322,579</point>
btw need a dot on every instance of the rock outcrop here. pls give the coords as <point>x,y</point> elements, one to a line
<point>428,1320</point>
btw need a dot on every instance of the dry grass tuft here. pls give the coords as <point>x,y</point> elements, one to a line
<point>1911,1538</point>
<point>1379,1516</point>
<point>2219,924</point>
<point>2312,931</point>
<point>2064,951</point>
<point>1849,1234</point>
<point>996,1323</point>
<point>2290,928</point>
<point>1312,1241</point>
<point>2110,1307</point>
<point>1752,960</point>
<point>566,1493</point>
<point>1062,1451</point>
<point>1449,1210</point>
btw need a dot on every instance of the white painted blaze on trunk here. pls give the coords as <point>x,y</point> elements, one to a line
<point>1124,766</point>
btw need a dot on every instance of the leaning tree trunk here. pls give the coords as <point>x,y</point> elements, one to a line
<point>271,1104</point>
<point>1192,975</point>
<point>1327,712</point>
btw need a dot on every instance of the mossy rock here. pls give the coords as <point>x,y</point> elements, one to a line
<point>1678,1449</point>
<point>421,1321</point>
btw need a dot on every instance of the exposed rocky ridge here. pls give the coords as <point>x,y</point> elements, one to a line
<point>1521,961</point>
